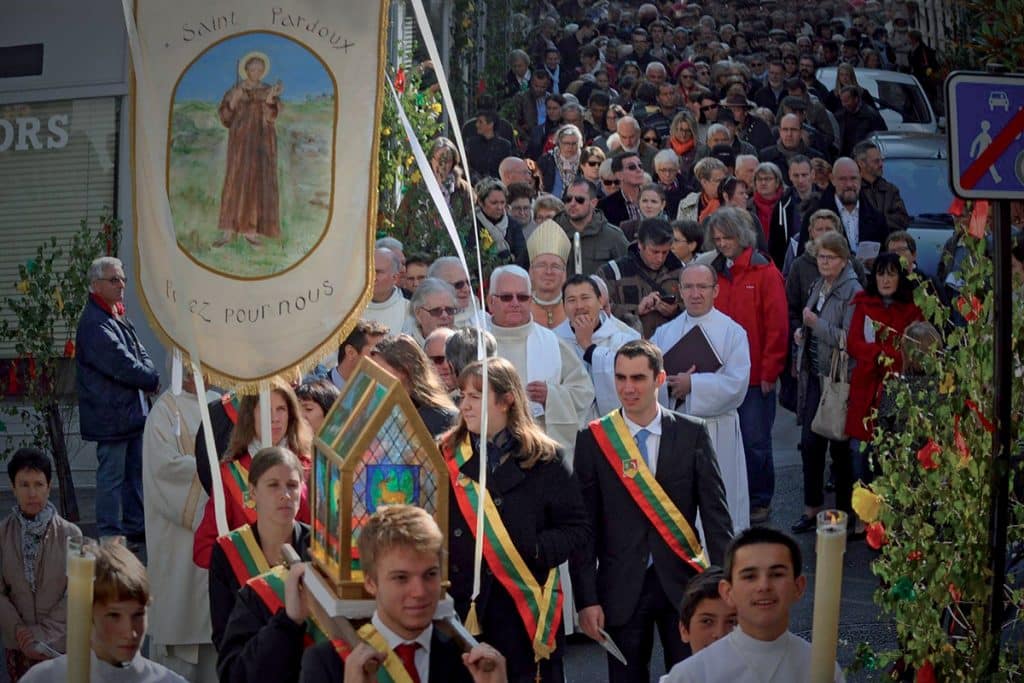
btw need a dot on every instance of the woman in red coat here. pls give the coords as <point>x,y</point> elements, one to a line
<point>288,429</point>
<point>881,313</point>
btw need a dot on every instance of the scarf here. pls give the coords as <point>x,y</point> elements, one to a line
<point>681,148</point>
<point>567,168</point>
<point>495,230</point>
<point>710,206</point>
<point>117,310</point>
<point>32,532</point>
<point>764,208</point>
<point>448,188</point>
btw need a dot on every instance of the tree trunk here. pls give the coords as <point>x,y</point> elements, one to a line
<point>58,445</point>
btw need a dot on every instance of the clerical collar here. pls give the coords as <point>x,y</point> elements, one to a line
<point>701,318</point>
<point>552,302</point>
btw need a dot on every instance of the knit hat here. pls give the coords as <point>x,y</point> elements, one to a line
<point>548,238</point>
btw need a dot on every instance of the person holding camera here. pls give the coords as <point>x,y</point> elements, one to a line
<point>643,286</point>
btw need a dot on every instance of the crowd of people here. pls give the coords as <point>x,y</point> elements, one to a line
<point>682,229</point>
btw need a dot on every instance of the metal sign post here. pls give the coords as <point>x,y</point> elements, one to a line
<point>986,155</point>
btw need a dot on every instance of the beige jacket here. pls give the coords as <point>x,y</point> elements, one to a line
<point>45,610</point>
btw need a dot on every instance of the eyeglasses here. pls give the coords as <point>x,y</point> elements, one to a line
<point>557,267</point>
<point>696,287</point>
<point>650,139</point>
<point>461,284</point>
<point>438,360</point>
<point>579,199</point>
<point>632,167</point>
<point>709,107</point>
<point>114,280</point>
<point>508,298</point>
<point>439,311</point>
<point>610,183</point>
<point>827,258</point>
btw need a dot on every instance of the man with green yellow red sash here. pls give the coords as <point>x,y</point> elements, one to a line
<point>400,550</point>
<point>644,472</point>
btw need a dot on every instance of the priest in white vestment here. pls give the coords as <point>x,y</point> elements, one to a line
<point>179,615</point>
<point>557,384</point>
<point>713,396</point>
<point>387,305</point>
<point>595,336</point>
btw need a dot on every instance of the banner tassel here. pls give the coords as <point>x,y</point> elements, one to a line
<point>472,623</point>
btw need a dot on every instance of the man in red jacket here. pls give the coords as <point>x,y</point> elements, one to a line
<point>752,292</point>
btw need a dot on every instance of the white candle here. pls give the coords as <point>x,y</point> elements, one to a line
<point>81,571</point>
<point>828,584</point>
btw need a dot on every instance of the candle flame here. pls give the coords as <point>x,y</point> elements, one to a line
<point>832,516</point>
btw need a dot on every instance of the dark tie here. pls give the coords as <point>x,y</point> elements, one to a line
<point>641,443</point>
<point>407,653</point>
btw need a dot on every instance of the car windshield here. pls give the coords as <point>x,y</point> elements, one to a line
<point>905,99</point>
<point>923,184</point>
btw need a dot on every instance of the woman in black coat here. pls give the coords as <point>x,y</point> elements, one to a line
<point>539,505</point>
<point>402,357</point>
<point>258,641</point>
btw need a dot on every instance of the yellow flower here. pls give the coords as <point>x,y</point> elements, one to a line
<point>947,384</point>
<point>385,131</point>
<point>58,298</point>
<point>436,107</point>
<point>866,503</point>
<point>409,160</point>
<point>486,241</point>
<point>415,177</point>
<point>23,286</point>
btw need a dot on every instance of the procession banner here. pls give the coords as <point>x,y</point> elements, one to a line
<point>254,152</point>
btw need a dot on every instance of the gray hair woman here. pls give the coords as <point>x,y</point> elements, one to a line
<point>777,209</point>
<point>433,305</point>
<point>561,165</point>
<point>825,323</point>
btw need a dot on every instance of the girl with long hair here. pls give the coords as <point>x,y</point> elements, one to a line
<point>402,357</point>
<point>288,429</point>
<point>539,511</point>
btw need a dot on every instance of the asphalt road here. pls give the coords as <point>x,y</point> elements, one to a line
<point>859,618</point>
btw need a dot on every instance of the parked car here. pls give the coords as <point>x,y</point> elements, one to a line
<point>899,97</point>
<point>918,164</point>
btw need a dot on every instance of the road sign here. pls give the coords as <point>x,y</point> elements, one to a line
<point>986,147</point>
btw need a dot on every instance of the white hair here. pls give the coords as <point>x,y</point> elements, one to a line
<point>391,256</point>
<point>431,285</point>
<point>514,270</point>
<point>443,262</point>
<point>390,243</point>
<point>666,156</point>
<point>98,268</point>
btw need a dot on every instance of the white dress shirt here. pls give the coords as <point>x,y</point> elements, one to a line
<point>653,438</point>
<point>851,222</point>
<point>422,656</point>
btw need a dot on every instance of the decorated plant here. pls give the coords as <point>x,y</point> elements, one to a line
<point>928,512</point>
<point>46,303</point>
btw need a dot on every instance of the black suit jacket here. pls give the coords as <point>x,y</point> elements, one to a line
<point>321,664</point>
<point>871,224</point>
<point>610,569</point>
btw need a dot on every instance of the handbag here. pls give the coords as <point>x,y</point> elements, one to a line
<point>830,417</point>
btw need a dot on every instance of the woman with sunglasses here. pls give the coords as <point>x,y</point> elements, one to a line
<point>649,135</point>
<point>682,139</point>
<point>590,163</point>
<point>405,359</point>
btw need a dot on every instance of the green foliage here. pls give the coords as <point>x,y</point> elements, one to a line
<point>987,31</point>
<point>935,566</point>
<point>396,166</point>
<point>52,292</point>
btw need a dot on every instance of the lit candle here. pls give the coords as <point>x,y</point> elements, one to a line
<point>828,584</point>
<point>81,571</point>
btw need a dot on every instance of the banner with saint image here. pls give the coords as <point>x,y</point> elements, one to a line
<point>254,152</point>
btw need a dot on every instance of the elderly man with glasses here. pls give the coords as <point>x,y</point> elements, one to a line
<point>451,270</point>
<point>115,380</point>
<point>557,385</point>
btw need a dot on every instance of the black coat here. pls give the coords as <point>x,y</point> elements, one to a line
<point>607,572</point>
<point>322,664</point>
<point>259,646</point>
<point>544,515</point>
<point>871,226</point>
<point>224,585</point>
<point>857,126</point>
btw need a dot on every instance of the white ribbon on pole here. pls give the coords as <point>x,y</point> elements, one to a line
<point>144,148</point>
<point>266,431</point>
<point>442,81</point>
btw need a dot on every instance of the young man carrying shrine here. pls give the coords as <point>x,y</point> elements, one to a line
<point>400,551</point>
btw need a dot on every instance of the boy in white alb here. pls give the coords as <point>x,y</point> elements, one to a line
<point>762,581</point>
<point>120,598</point>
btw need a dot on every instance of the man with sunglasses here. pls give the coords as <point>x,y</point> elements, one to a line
<point>115,379</point>
<point>595,241</point>
<point>557,384</point>
<point>623,204</point>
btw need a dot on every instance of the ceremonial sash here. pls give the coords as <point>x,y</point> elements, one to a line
<point>392,670</point>
<point>236,482</point>
<point>269,586</point>
<point>244,554</point>
<point>619,448</point>
<point>540,608</point>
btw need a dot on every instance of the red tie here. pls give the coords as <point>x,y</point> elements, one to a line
<point>407,653</point>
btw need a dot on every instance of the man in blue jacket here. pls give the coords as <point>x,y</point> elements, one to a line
<point>115,376</point>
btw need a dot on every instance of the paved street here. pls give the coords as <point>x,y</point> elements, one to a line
<point>859,616</point>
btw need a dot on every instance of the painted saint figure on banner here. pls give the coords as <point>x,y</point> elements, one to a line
<point>249,203</point>
<point>251,154</point>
